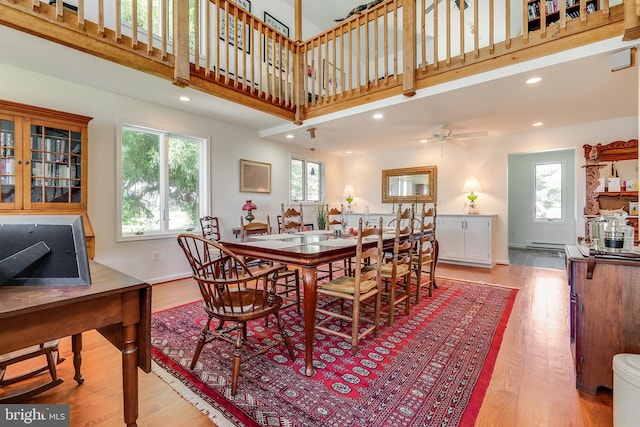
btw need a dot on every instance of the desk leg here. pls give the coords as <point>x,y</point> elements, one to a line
<point>309,280</point>
<point>76,347</point>
<point>130,373</point>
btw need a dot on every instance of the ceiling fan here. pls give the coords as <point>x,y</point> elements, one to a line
<point>456,2</point>
<point>441,133</point>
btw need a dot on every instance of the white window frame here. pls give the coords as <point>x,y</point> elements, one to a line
<point>322,180</point>
<point>563,183</point>
<point>204,180</point>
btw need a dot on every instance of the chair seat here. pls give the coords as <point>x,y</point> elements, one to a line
<point>387,268</point>
<point>425,259</point>
<point>248,303</point>
<point>346,285</point>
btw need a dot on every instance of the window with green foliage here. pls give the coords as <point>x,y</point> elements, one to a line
<point>548,203</point>
<point>163,180</point>
<point>306,180</point>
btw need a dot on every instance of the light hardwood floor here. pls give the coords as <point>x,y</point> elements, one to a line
<point>533,383</point>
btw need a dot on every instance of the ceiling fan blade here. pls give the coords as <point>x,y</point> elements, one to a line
<point>469,134</point>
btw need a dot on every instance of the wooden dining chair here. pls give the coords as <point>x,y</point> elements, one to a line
<point>423,260</point>
<point>288,284</point>
<point>210,227</point>
<point>397,268</point>
<point>233,294</point>
<point>334,216</point>
<point>363,285</point>
<point>52,355</point>
<point>292,219</point>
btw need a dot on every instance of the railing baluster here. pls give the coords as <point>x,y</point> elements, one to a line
<point>461,31</point>
<point>492,29</point>
<point>101,30</point>
<point>81,22</point>
<point>227,31</point>
<point>525,20</point>
<point>448,34</point>
<point>164,30</point>
<point>118,35</point>
<point>475,27</point>
<point>150,27</point>
<point>216,37</point>
<point>335,66</point>
<point>134,24</point>
<point>543,18</point>
<point>59,10</point>
<point>507,20</point>
<point>423,34</point>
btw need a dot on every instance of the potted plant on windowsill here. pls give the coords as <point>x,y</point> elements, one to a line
<point>321,216</point>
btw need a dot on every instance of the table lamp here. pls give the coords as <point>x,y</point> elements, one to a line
<point>471,185</point>
<point>349,192</point>
<point>249,206</point>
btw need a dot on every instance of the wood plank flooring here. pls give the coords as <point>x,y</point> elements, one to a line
<point>533,383</point>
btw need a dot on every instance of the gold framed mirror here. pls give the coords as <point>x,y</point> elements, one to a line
<point>409,185</point>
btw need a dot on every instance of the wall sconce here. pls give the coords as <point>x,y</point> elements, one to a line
<point>349,192</point>
<point>249,206</point>
<point>471,185</point>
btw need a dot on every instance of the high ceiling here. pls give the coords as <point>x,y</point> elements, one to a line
<point>576,87</point>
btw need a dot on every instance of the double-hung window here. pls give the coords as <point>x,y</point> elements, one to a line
<point>306,180</point>
<point>163,182</point>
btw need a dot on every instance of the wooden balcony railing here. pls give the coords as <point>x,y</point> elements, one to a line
<point>395,47</point>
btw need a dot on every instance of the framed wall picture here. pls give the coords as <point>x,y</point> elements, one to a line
<point>633,208</point>
<point>227,29</point>
<point>271,47</point>
<point>255,177</point>
<point>277,25</point>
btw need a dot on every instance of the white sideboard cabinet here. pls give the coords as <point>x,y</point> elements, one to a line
<point>466,239</point>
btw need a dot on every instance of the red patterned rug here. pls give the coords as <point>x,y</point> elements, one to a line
<point>431,368</point>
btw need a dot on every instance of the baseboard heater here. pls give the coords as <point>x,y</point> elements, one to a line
<point>545,245</point>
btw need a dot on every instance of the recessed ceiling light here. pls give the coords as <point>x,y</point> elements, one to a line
<point>348,152</point>
<point>378,116</point>
<point>533,80</point>
<point>184,98</point>
<point>424,141</point>
<point>289,136</point>
<point>536,124</point>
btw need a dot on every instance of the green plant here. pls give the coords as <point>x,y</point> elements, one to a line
<point>321,216</point>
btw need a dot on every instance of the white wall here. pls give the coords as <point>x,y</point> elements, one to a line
<point>229,143</point>
<point>487,160</point>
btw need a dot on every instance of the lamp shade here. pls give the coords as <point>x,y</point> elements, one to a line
<point>349,191</point>
<point>471,185</point>
<point>249,206</point>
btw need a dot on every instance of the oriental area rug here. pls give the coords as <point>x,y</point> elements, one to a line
<point>431,368</point>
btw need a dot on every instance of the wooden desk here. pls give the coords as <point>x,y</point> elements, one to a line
<point>117,305</point>
<point>307,250</point>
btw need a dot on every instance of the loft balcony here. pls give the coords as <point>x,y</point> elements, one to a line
<point>395,47</point>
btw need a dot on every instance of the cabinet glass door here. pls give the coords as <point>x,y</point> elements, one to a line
<point>7,162</point>
<point>55,165</point>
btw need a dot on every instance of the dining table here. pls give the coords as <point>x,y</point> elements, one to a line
<point>307,250</point>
